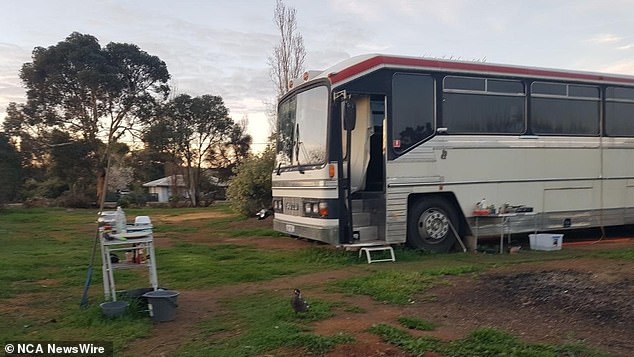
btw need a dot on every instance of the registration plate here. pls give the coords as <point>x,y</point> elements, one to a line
<point>290,228</point>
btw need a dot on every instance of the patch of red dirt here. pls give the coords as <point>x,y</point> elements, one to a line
<point>552,302</point>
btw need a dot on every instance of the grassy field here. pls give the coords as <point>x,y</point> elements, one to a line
<point>46,252</point>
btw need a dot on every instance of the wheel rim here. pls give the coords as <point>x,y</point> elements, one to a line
<point>433,225</point>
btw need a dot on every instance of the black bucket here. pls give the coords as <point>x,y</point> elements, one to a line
<point>162,304</point>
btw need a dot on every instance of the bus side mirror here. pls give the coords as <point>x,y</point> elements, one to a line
<point>349,115</point>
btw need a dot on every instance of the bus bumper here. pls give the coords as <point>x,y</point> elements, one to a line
<point>328,233</point>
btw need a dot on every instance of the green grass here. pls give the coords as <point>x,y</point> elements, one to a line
<point>222,223</point>
<point>186,265</point>
<point>255,232</point>
<point>482,342</point>
<point>399,287</point>
<point>44,259</point>
<point>45,253</point>
<point>259,324</point>
<point>414,323</point>
<point>165,228</point>
<point>624,254</point>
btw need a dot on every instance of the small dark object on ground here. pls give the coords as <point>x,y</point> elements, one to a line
<point>298,304</point>
<point>263,213</point>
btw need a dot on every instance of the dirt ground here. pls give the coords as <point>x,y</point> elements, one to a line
<point>561,301</point>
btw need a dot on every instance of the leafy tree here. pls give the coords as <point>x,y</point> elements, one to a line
<point>226,157</point>
<point>195,131</point>
<point>71,161</point>
<point>10,170</point>
<point>250,189</point>
<point>90,92</point>
<point>148,164</point>
<point>29,134</point>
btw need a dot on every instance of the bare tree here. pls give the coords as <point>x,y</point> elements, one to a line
<point>287,61</point>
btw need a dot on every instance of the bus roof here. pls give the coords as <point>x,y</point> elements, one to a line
<point>359,65</point>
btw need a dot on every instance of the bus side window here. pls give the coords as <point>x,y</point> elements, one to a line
<point>565,109</point>
<point>412,110</point>
<point>474,105</point>
<point>619,111</point>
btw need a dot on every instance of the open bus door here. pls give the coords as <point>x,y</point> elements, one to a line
<point>367,154</point>
<point>364,157</point>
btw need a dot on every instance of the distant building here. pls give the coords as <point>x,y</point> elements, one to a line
<point>166,187</point>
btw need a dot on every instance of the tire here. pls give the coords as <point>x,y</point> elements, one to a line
<point>428,225</point>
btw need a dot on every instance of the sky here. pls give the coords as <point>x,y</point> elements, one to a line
<point>222,47</point>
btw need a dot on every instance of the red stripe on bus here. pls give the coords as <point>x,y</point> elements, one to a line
<point>474,67</point>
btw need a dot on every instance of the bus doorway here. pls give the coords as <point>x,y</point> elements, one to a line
<point>367,179</point>
<point>367,152</point>
<point>375,176</point>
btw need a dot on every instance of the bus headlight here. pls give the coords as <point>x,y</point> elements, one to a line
<point>315,209</point>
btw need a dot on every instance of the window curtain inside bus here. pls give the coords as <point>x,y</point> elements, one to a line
<point>360,145</point>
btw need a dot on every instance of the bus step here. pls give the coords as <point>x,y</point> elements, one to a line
<point>369,250</point>
<point>357,246</point>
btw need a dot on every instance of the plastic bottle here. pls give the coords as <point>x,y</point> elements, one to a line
<point>120,221</point>
<point>482,205</point>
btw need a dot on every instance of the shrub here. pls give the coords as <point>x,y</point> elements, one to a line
<point>250,189</point>
<point>36,202</point>
<point>73,200</point>
<point>135,198</point>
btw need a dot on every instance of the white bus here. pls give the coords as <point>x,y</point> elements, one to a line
<point>425,140</point>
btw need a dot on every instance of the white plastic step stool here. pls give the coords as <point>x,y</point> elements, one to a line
<point>369,250</point>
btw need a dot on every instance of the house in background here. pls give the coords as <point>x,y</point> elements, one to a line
<point>166,187</point>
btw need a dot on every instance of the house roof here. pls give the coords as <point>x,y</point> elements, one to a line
<point>167,182</point>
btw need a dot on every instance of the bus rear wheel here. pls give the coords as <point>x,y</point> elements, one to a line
<point>429,225</point>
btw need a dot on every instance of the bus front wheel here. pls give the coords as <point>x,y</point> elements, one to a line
<point>428,225</point>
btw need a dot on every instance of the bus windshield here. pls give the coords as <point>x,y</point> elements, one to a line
<point>302,128</point>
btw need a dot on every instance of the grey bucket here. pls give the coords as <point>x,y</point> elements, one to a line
<point>113,308</point>
<point>162,304</point>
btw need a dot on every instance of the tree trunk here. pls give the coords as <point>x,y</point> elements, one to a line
<point>101,189</point>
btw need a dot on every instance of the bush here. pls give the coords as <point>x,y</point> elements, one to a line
<point>49,188</point>
<point>36,202</point>
<point>73,200</point>
<point>250,189</point>
<point>135,198</point>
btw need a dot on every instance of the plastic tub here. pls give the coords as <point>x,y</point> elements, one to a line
<point>114,308</point>
<point>545,241</point>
